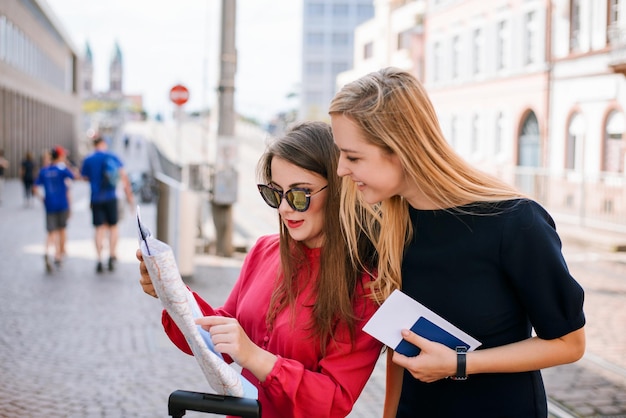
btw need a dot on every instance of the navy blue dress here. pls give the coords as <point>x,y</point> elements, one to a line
<point>497,274</point>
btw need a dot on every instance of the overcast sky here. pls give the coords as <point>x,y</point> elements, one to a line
<point>166,42</point>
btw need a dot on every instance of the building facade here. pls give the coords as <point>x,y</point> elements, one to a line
<point>493,55</point>
<point>327,49</point>
<point>394,36</point>
<point>530,90</point>
<point>588,99</point>
<point>39,82</point>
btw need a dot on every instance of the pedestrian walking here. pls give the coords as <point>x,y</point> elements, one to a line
<point>463,243</point>
<point>27,175</point>
<point>104,170</point>
<point>54,180</point>
<point>294,318</point>
<point>4,165</point>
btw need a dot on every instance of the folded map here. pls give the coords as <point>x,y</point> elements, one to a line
<point>182,307</point>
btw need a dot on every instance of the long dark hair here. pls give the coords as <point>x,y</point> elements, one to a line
<point>310,145</point>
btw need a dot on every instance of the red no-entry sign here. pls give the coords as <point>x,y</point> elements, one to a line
<point>179,94</point>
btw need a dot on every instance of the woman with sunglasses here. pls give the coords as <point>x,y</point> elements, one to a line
<point>293,320</point>
<point>463,243</point>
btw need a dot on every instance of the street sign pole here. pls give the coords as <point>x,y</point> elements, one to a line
<point>178,199</point>
<point>179,95</point>
<point>225,176</point>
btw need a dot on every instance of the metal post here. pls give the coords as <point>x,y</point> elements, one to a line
<point>222,202</point>
<point>179,144</point>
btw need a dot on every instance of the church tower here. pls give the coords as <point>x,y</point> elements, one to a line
<point>115,72</point>
<point>86,72</point>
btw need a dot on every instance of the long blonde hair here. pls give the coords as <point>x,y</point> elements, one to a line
<point>393,111</point>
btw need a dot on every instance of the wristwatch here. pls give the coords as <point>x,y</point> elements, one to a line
<point>461,373</point>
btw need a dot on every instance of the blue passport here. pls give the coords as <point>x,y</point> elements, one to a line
<point>400,312</point>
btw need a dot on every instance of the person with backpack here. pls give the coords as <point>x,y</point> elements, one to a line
<point>104,170</point>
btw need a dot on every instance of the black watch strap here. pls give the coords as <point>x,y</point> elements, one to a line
<point>461,362</point>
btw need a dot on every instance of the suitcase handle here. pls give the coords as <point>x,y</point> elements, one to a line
<point>181,401</point>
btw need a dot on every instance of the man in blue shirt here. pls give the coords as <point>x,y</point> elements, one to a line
<point>104,201</point>
<point>53,179</point>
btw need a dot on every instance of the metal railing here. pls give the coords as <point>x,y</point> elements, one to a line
<point>598,201</point>
<point>178,208</point>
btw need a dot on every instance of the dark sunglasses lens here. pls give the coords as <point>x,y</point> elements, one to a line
<point>298,200</point>
<point>270,196</point>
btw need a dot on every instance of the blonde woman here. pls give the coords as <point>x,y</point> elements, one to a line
<point>464,244</point>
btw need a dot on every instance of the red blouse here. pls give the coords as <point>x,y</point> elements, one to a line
<point>302,382</point>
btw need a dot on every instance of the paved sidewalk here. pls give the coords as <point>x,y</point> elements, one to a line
<point>79,344</point>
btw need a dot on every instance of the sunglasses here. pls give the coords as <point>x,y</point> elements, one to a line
<point>297,198</point>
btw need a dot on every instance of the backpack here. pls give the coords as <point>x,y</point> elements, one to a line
<point>110,173</point>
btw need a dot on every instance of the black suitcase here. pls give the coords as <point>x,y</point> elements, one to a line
<point>181,401</point>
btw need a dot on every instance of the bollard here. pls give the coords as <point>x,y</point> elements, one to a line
<point>187,231</point>
<point>177,213</point>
